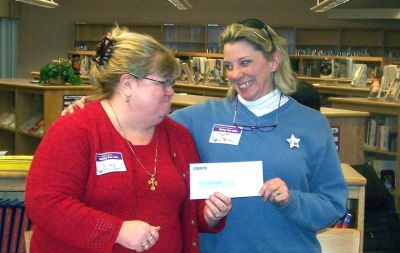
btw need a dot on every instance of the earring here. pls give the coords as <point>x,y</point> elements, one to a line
<point>127,98</point>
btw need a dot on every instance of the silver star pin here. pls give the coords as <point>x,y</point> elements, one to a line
<point>293,141</point>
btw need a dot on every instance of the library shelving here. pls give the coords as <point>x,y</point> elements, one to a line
<point>27,110</point>
<point>378,42</point>
<point>379,108</point>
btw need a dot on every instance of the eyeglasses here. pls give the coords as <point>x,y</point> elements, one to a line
<point>265,128</point>
<point>165,84</point>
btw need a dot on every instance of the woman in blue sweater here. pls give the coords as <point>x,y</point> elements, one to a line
<point>304,189</point>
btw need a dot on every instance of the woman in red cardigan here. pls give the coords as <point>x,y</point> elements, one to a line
<point>115,176</point>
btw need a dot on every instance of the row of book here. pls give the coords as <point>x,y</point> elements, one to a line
<point>7,119</point>
<point>382,133</point>
<point>13,223</point>
<point>33,125</point>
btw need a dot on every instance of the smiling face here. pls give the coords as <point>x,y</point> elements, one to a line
<point>250,73</point>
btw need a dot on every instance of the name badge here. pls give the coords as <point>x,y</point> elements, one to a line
<point>109,162</point>
<point>225,134</point>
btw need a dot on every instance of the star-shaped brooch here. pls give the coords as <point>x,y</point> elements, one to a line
<point>293,141</point>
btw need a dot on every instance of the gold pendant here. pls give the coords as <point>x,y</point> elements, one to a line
<point>153,182</point>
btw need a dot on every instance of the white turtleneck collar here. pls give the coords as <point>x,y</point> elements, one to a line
<point>265,104</point>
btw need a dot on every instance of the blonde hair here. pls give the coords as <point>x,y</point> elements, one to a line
<point>284,78</point>
<point>132,53</point>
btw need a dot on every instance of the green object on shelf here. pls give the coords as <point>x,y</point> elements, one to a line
<point>59,73</point>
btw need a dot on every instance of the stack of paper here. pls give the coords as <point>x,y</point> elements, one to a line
<point>15,163</point>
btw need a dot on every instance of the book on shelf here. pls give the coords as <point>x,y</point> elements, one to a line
<point>34,124</point>
<point>382,133</point>
<point>390,72</point>
<point>7,119</point>
<point>342,68</point>
<point>359,75</point>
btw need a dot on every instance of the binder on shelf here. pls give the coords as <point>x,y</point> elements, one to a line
<point>25,226</point>
<point>13,224</point>
<point>17,225</point>
<point>8,216</point>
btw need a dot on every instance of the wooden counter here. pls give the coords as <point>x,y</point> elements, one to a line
<point>12,181</point>
<point>199,89</point>
<point>341,90</point>
<point>184,100</point>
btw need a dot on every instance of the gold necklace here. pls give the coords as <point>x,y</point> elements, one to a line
<point>152,181</point>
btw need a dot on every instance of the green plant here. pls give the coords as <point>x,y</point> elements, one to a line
<point>59,72</point>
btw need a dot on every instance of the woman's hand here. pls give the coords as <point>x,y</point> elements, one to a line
<point>78,104</point>
<point>276,191</point>
<point>217,207</point>
<point>137,235</point>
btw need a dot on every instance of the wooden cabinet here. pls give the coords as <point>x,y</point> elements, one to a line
<point>193,38</point>
<point>186,38</point>
<point>87,35</point>
<point>317,39</point>
<point>27,110</point>
<point>378,108</point>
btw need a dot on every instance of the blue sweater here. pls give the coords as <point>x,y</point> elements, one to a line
<point>312,172</point>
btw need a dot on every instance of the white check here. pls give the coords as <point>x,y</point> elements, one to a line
<point>239,179</point>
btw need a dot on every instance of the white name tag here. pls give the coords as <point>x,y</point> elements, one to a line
<point>225,134</point>
<point>109,162</point>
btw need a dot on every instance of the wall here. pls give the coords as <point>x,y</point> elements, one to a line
<point>9,9</point>
<point>47,34</point>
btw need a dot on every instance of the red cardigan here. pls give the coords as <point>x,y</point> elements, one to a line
<point>67,212</point>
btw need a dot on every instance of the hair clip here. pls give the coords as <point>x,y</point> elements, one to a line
<point>103,51</point>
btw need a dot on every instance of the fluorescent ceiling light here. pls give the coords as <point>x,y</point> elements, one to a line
<point>326,5</point>
<point>181,4</point>
<point>41,3</point>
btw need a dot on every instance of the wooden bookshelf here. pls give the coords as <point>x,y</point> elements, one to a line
<point>32,103</point>
<point>382,108</point>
